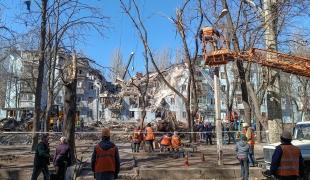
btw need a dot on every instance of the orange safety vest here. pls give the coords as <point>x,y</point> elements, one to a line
<point>105,159</point>
<point>251,140</point>
<point>137,136</point>
<point>149,134</point>
<point>289,164</point>
<point>175,141</point>
<point>166,140</point>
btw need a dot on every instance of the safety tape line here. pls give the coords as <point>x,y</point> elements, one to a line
<point>117,132</point>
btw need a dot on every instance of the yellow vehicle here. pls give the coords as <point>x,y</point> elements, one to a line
<point>56,114</point>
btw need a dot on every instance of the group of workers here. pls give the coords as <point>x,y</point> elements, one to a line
<point>167,141</point>
<point>287,161</point>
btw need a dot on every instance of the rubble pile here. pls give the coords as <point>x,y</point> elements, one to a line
<point>11,124</point>
<point>13,139</point>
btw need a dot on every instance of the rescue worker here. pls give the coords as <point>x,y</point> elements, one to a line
<point>165,142</point>
<point>105,161</point>
<point>287,161</point>
<point>175,141</point>
<point>248,132</point>
<point>149,137</point>
<point>136,139</point>
<point>41,159</point>
<point>62,158</point>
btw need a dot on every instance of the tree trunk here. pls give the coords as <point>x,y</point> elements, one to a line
<point>274,109</point>
<point>70,115</point>
<point>38,111</point>
<point>257,111</point>
<point>189,121</point>
<point>70,110</point>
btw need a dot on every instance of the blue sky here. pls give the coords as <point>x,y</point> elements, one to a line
<point>120,32</point>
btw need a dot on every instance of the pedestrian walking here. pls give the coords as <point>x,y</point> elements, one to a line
<point>287,161</point>
<point>209,129</point>
<point>242,150</point>
<point>201,128</point>
<point>41,159</point>
<point>105,161</point>
<point>62,159</point>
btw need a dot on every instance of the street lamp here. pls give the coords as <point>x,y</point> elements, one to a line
<point>210,34</point>
<point>223,13</point>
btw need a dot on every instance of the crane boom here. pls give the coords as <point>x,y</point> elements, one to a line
<point>130,58</point>
<point>217,56</point>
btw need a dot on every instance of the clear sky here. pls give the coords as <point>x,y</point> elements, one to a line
<point>120,32</point>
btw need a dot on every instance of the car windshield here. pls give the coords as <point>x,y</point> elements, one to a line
<point>302,131</point>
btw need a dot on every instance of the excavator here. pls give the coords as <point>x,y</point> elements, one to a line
<point>210,37</point>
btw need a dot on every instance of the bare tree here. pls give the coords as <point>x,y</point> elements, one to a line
<point>190,99</point>
<point>39,82</point>
<point>163,59</point>
<point>117,65</point>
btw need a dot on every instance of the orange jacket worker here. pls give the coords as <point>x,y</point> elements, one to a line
<point>105,160</point>
<point>287,161</point>
<point>175,141</point>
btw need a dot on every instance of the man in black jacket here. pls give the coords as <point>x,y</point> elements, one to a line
<point>41,159</point>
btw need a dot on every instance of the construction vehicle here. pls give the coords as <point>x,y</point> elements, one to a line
<point>56,114</point>
<point>220,54</point>
<point>216,52</point>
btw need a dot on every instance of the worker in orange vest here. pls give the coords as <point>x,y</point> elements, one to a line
<point>287,161</point>
<point>175,141</point>
<point>149,137</point>
<point>248,132</point>
<point>105,161</point>
<point>165,142</point>
<point>137,139</point>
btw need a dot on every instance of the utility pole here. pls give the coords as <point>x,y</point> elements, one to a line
<point>274,110</point>
<point>217,98</point>
<point>38,94</point>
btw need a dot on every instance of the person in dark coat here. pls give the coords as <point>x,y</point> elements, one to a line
<point>208,129</point>
<point>105,161</point>
<point>287,161</point>
<point>41,159</point>
<point>62,158</point>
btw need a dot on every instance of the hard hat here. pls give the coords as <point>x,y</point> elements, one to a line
<point>105,132</point>
<point>245,125</point>
<point>286,135</point>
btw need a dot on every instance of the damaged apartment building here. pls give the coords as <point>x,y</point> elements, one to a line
<point>19,72</point>
<point>161,102</point>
